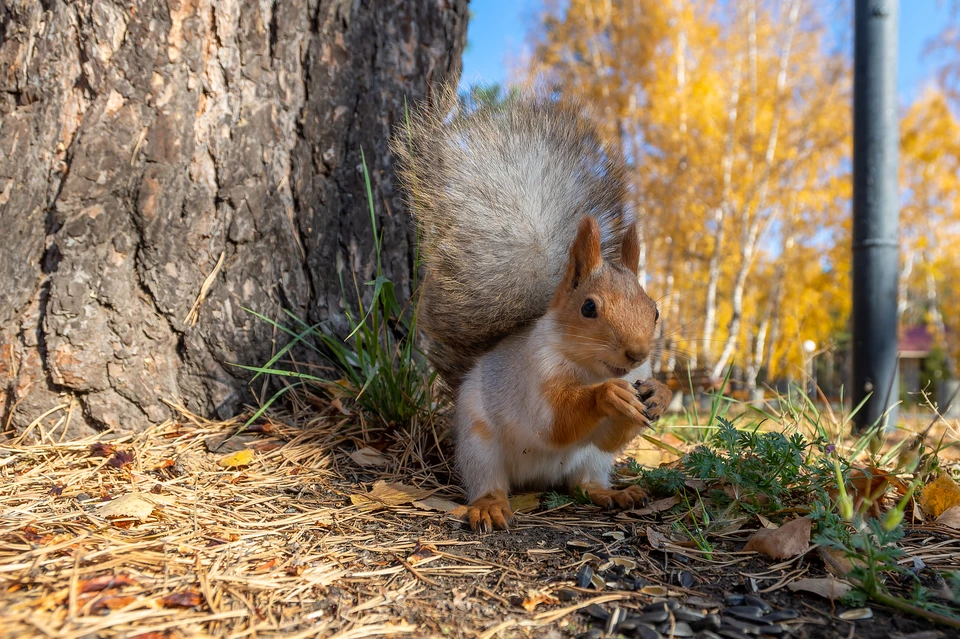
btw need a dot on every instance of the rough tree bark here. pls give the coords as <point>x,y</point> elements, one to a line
<point>142,141</point>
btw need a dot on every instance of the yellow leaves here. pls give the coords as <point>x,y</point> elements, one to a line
<point>133,505</point>
<point>237,459</point>
<point>939,496</point>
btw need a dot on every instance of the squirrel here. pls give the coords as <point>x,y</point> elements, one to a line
<point>530,304</point>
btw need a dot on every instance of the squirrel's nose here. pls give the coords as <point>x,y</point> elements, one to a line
<point>637,355</point>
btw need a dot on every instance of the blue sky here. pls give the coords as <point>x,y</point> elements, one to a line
<point>498,27</point>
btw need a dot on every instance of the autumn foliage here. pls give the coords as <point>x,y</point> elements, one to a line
<point>736,118</point>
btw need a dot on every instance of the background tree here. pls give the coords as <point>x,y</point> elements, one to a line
<point>165,164</point>
<point>735,116</point>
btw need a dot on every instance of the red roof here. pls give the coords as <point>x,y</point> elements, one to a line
<point>916,339</point>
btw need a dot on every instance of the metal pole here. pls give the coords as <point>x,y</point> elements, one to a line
<point>876,211</point>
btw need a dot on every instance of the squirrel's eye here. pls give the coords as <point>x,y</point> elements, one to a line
<point>656,318</point>
<point>589,309</point>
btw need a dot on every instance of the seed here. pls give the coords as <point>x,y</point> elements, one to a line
<point>679,629</point>
<point>565,594</point>
<point>856,614</point>
<point>754,600</point>
<point>617,615</point>
<point>709,622</point>
<point>781,615</point>
<point>685,614</point>
<point>748,613</point>
<point>584,576</point>
<point>654,617</point>
<point>597,612</point>
<point>732,599</point>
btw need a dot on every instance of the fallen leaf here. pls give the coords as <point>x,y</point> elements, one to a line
<point>656,507</point>
<point>237,459</point>
<point>265,566</point>
<point>835,560</point>
<point>826,587</point>
<point>129,505</point>
<point>790,540</point>
<point>766,523</point>
<point>189,599</point>
<point>525,502</point>
<point>367,456</point>
<point>120,459</point>
<point>231,442</point>
<point>656,538</point>
<point>939,496</point>
<point>336,403</point>
<point>384,494</point>
<point>421,552</point>
<point>950,517</point>
<point>101,449</point>
<point>866,485</point>
<point>534,599</point>
<point>103,582</point>
<point>437,503</point>
<point>112,603</point>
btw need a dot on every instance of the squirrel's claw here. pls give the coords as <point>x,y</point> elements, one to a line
<point>626,498</point>
<point>490,512</point>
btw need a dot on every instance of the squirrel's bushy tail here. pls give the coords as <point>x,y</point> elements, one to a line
<point>498,193</point>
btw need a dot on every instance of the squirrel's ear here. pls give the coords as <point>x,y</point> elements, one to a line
<point>630,249</point>
<point>585,255</point>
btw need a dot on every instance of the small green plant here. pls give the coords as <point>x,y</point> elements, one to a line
<point>659,482</point>
<point>760,467</point>
<point>554,499</point>
<point>379,364</point>
<point>700,525</point>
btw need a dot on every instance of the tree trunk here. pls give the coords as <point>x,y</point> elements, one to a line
<point>153,150</point>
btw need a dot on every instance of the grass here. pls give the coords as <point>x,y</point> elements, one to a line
<point>379,366</point>
<point>808,467</point>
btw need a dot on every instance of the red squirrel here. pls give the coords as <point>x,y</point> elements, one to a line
<point>531,303</point>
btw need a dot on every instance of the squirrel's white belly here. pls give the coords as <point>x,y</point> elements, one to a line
<point>543,469</point>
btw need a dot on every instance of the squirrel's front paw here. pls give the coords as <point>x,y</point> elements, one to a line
<point>655,396</point>
<point>489,512</point>
<point>619,400</point>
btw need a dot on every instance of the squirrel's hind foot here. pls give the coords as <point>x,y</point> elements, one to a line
<point>626,498</point>
<point>492,511</point>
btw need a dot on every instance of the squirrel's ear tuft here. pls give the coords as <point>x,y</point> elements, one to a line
<point>585,255</point>
<point>630,249</point>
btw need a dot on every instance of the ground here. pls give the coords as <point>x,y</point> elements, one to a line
<point>330,528</point>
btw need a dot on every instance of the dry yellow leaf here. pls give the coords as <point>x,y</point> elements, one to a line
<point>129,505</point>
<point>939,495</point>
<point>368,457</point>
<point>239,458</point>
<point>384,494</point>
<point>525,502</point>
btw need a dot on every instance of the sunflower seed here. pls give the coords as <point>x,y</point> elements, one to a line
<point>856,614</point>
<point>584,576</point>
<point>753,600</point>
<point>780,615</point>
